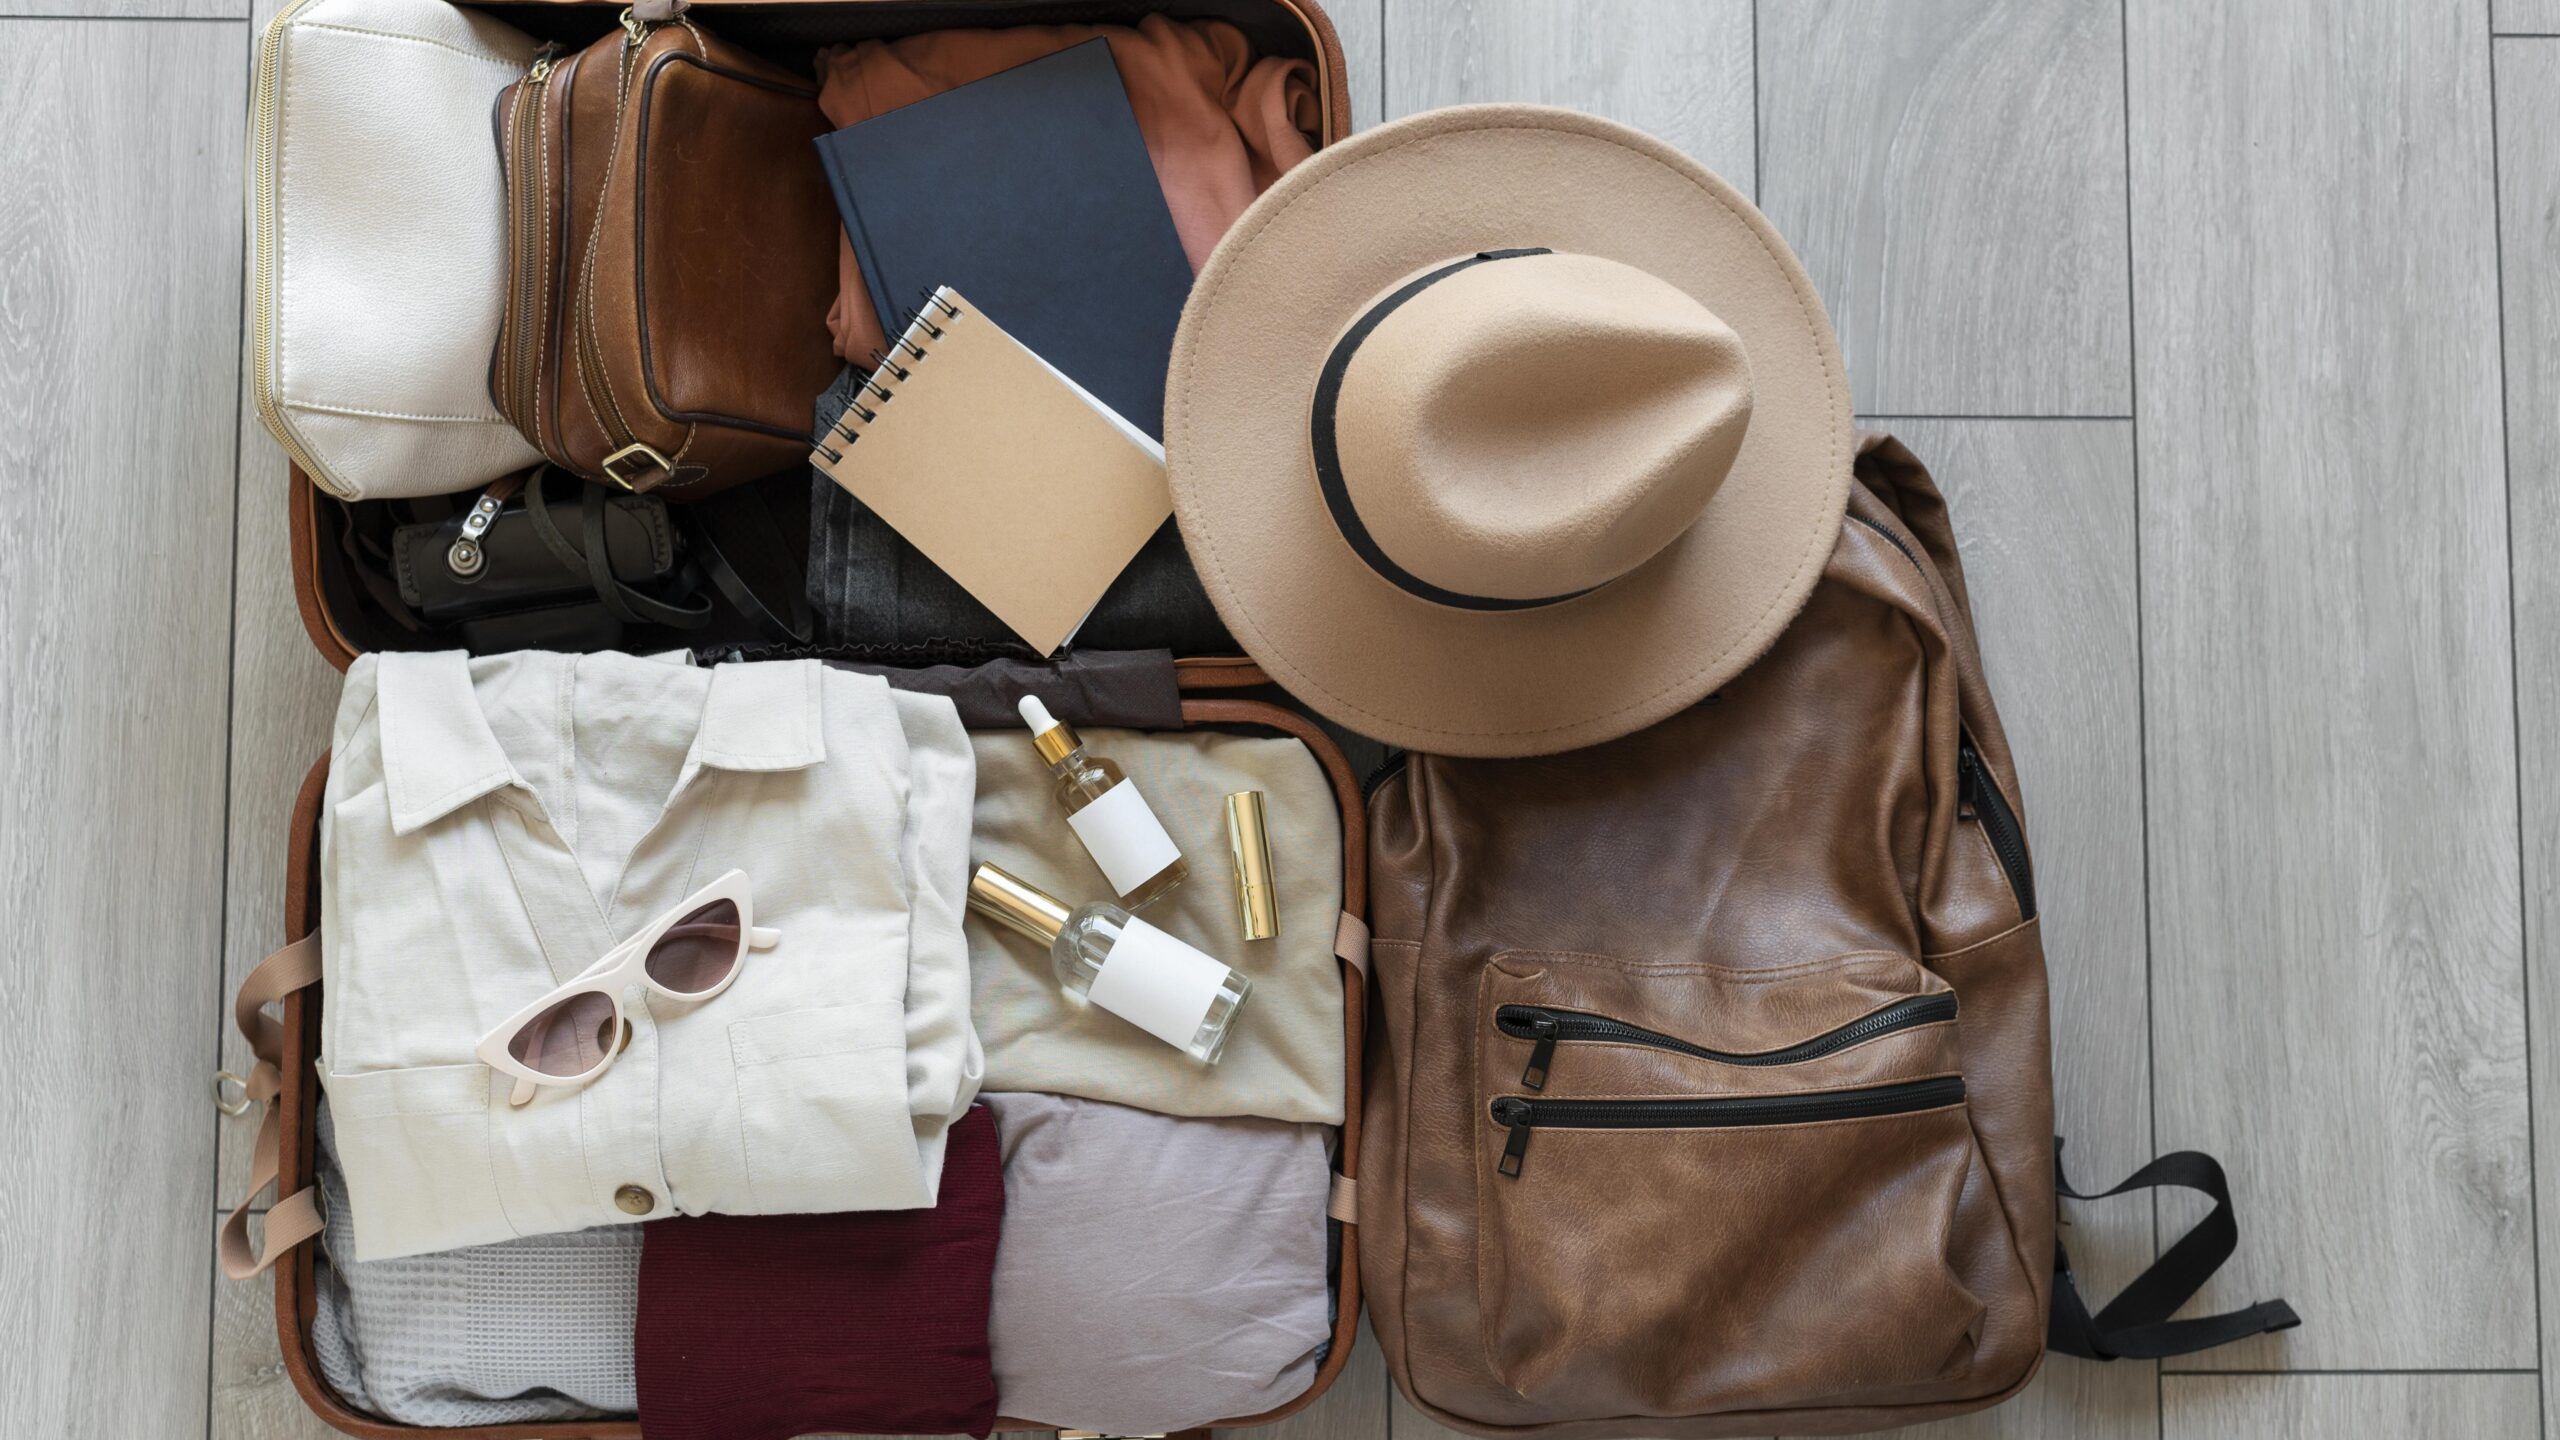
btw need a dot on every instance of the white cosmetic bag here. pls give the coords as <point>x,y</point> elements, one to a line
<point>378,253</point>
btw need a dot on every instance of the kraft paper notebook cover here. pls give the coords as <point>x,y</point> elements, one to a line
<point>1032,191</point>
<point>1022,485</point>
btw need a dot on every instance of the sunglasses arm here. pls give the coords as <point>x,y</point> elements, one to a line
<point>763,937</point>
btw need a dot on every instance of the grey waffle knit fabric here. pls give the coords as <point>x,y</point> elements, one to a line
<point>531,1330</point>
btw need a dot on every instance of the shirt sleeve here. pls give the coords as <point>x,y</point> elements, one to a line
<point>944,1060</point>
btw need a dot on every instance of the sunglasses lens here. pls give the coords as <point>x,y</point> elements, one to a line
<point>699,951</point>
<point>571,1038</point>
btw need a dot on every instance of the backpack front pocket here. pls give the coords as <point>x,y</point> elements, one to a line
<point>1686,1173</point>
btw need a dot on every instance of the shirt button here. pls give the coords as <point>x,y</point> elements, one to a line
<point>634,1200</point>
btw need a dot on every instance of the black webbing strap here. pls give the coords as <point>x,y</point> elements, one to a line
<point>2136,1325</point>
<point>593,561</point>
<point>756,567</point>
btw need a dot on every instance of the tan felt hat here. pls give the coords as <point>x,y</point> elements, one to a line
<point>1503,430</point>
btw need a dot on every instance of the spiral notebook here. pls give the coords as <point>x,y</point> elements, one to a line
<point>1010,476</point>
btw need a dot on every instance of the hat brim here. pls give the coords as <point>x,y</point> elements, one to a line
<point>1317,247</point>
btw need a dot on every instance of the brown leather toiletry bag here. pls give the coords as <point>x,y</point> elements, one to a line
<point>670,260</point>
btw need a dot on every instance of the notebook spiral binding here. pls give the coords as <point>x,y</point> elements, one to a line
<point>911,341</point>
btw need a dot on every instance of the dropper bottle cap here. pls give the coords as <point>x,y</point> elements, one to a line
<point>1051,737</point>
<point>1017,904</point>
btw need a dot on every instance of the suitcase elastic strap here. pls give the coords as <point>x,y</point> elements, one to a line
<point>296,1217</point>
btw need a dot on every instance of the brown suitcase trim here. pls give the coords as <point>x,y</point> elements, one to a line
<point>296,1292</point>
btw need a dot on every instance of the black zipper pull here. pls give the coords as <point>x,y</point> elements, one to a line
<point>1514,1113</point>
<point>1544,1030</point>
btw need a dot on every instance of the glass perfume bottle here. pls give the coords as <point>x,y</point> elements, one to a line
<point>1109,958</point>
<point>1107,813</point>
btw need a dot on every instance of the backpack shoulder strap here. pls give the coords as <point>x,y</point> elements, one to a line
<point>2136,1324</point>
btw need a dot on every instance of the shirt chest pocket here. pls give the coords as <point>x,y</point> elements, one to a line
<point>414,1146</point>
<point>822,1110</point>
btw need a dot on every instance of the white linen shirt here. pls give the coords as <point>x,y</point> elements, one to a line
<point>493,826</point>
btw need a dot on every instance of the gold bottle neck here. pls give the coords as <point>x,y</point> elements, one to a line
<point>1017,904</point>
<point>1056,743</point>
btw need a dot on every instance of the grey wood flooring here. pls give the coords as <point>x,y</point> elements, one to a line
<point>2232,331</point>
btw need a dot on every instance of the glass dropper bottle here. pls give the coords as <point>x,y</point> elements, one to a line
<point>1111,959</point>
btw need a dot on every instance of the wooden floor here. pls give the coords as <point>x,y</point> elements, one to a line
<point>2233,330</point>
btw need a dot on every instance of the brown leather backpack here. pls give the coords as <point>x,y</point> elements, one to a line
<point>1710,1092</point>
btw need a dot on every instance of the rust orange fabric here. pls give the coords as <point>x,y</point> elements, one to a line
<point>1220,122</point>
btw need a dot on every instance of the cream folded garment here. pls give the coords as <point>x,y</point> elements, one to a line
<point>497,824</point>
<point>1153,1275</point>
<point>1284,1060</point>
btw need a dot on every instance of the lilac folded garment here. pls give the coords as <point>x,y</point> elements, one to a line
<point>1157,1273</point>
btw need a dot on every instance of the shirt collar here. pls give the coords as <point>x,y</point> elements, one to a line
<point>439,753</point>
<point>761,716</point>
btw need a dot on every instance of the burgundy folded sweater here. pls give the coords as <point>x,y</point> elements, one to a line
<point>764,1327</point>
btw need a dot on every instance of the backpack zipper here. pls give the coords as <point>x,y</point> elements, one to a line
<point>1386,770</point>
<point>1889,537</point>
<point>1974,786</point>
<point>1548,1027</point>
<point>1999,823</point>
<point>1520,1116</point>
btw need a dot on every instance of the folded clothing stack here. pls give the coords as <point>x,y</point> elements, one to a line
<point>1124,1241</point>
<point>1152,1274</point>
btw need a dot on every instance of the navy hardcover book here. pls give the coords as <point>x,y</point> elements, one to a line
<point>1030,192</point>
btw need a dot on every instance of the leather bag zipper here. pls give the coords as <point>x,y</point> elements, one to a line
<point>1975,788</point>
<point>1550,1028</point>
<point>1520,1115</point>
<point>524,131</point>
<point>265,178</point>
<point>633,464</point>
<point>590,353</point>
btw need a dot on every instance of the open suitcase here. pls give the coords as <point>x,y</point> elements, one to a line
<point>1216,691</point>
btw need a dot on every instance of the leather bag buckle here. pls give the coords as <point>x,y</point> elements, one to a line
<point>638,468</point>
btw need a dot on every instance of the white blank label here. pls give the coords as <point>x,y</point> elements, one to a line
<point>1124,837</point>
<point>1158,984</point>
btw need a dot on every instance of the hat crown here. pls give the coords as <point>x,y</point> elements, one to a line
<point>1537,425</point>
